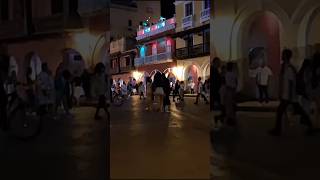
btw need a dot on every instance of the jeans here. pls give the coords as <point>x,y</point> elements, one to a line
<point>263,93</point>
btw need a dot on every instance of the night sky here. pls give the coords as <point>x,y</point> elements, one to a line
<point>167,8</point>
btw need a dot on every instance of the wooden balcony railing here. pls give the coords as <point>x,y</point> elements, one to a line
<point>193,51</point>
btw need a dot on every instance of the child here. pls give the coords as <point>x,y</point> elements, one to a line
<point>78,91</point>
<point>141,90</point>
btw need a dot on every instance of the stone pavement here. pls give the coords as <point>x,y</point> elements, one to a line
<point>154,145</point>
<point>249,153</point>
<point>66,149</point>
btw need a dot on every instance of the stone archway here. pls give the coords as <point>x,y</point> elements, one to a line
<point>192,73</point>
<point>263,31</point>
<point>73,61</point>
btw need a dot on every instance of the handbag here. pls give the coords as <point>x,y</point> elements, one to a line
<point>159,91</point>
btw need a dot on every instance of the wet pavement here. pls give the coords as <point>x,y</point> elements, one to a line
<point>154,145</point>
<point>249,153</point>
<point>66,149</point>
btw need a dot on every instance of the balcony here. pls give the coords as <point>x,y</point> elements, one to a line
<point>205,15</point>
<point>156,29</point>
<point>194,51</point>
<point>154,59</point>
<point>114,70</point>
<point>188,21</point>
<point>126,69</point>
<point>49,24</point>
<point>122,45</point>
<point>12,29</point>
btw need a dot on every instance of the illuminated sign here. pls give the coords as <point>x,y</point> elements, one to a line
<point>161,27</point>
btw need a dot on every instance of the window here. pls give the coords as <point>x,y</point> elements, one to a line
<point>128,61</point>
<point>189,40</point>
<point>162,46</point>
<point>188,9</point>
<point>129,22</point>
<point>73,6</point>
<point>18,9</point>
<point>114,63</point>
<point>206,4</point>
<point>56,6</point>
<point>4,10</point>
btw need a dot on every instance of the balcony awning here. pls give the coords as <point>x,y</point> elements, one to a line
<point>193,30</point>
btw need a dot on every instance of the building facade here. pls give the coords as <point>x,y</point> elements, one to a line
<point>193,39</point>
<point>156,49</point>
<point>263,27</point>
<point>126,17</point>
<point>54,31</point>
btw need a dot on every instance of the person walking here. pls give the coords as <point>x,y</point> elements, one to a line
<point>63,92</point>
<point>263,78</point>
<point>230,94</point>
<point>215,83</point>
<point>149,94</point>
<point>158,89</point>
<point>45,88</point>
<point>200,92</point>
<point>167,89</point>
<point>3,95</point>
<point>141,90</point>
<point>181,91</point>
<point>288,95</point>
<point>316,86</point>
<point>222,92</point>
<point>176,90</point>
<point>99,89</point>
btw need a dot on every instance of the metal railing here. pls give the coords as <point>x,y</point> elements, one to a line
<point>187,21</point>
<point>193,51</point>
<point>153,59</point>
<point>205,15</point>
<point>12,29</point>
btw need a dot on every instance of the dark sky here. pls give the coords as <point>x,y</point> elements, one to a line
<point>167,8</point>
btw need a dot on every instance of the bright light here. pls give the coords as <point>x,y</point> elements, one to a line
<point>147,29</point>
<point>178,72</point>
<point>137,75</point>
<point>168,42</point>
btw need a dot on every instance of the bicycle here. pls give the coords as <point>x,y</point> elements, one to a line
<point>24,122</point>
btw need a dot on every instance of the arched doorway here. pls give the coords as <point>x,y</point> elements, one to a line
<point>73,61</point>
<point>33,61</point>
<point>206,73</point>
<point>313,36</point>
<point>191,74</point>
<point>261,43</point>
<point>171,76</point>
<point>153,73</point>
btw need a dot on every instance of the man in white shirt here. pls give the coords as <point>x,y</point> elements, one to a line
<point>288,96</point>
<point>263,77</point>
<point>200,92</point>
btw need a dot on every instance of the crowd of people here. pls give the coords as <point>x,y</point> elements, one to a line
<point>159,89</point>
<point>298,88</point>
<point>49,93</point>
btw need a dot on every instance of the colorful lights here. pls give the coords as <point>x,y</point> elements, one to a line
<point>154,27</point>
<point>143,51</point>
<point>168,42</point>
<point>147,30</point>
<point>162,26</point>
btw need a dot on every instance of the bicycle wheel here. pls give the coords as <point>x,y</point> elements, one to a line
<point>117,100</point>
<point>23,125</point>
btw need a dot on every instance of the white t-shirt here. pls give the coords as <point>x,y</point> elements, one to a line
<point>263,75</point>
